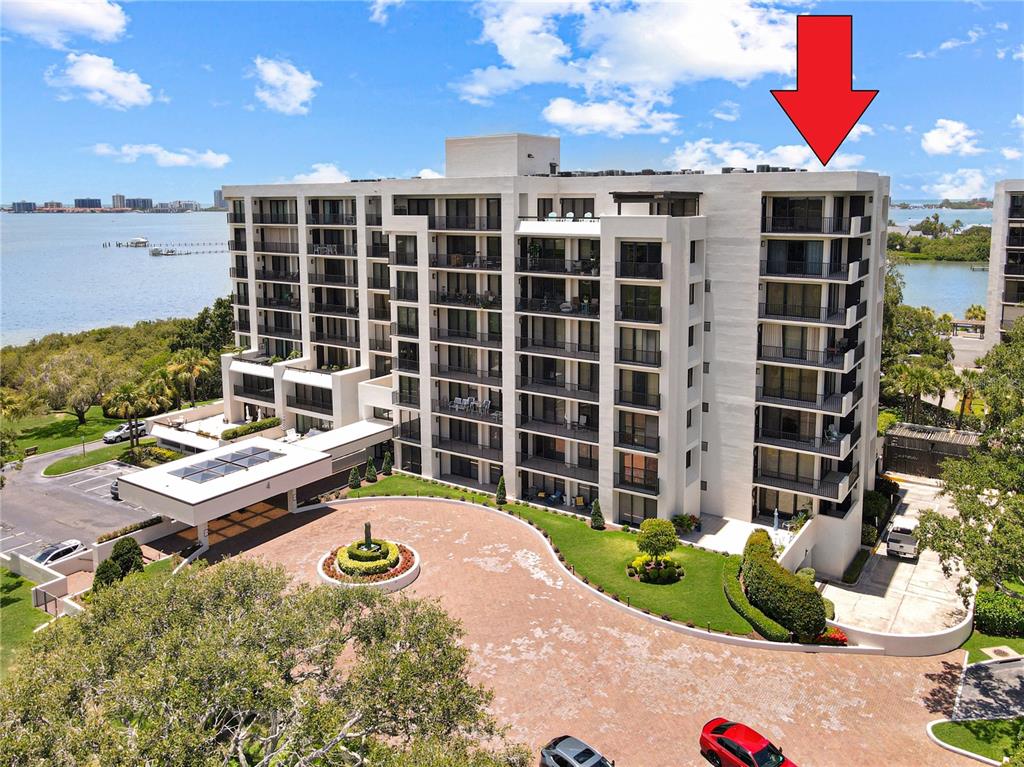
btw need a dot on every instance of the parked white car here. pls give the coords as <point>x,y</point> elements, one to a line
<point>123,432</point>
<point>55,552</point>
<point>902,538</point>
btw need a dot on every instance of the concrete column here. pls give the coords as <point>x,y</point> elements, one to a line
<point>203,533</point>
<point>293,503</point>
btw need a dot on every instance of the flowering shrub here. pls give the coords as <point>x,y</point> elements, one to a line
<point>685,523</point>
<point>404,564</point>
<point>833,637</point>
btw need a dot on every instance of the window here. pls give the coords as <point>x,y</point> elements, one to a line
<point>689,458</point>
<point>693,293</point>
<point>578,206</point>
<point>689,418</point>
<point>693,252</point>
<point>707,327</point>
<point>689,335</point>
<point>703,447</point>
<point>707,286</point>
<point>707,368</point>
<point>705,407</point>
<point>703,484</point>
<point>689,378</point>
<point>545,205</point>
<point>640,252</point>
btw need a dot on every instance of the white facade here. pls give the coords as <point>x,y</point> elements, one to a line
<point>665,343</point>
<point>1006,260</point>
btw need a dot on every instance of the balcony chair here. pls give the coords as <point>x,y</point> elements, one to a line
<point>588,216</point>
<point>552,216</point>
<point>485,406</point>
<point>570,216</point>
<point>582,422</point>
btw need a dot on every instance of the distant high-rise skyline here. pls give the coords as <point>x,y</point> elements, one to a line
<point>117,201</point>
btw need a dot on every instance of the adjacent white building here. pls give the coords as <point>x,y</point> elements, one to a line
<point>1006,260</point>
<point>666,343</point>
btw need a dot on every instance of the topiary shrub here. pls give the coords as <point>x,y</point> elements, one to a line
<point>998,614</point>
<point>868,535</point>
<point>354,482</point>
<point>371,471</point>
<point>127,555</point>
<point>388,464</point>
<point>386,560</point>
<point>499,497</point>
<point>596,517</point>
<point>762,624</point>
<point>781,595</point>
<point>107,574</point>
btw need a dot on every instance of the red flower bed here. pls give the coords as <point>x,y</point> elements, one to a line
<point>833,637</point>
<point>405,562</point>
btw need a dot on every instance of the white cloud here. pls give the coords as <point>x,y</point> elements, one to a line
<point>1017,122</point>
<point>908,128</point>
<point>100,81</point>
<point>627,58</point>
<point>889,127</point>
<point>611,118</point>
<point>429,173</point>
<point>707,154</point>
<point>729,111</point>
<point>919,55</point>
<point>1018,53</point>
<point>1001,53</point>
<point>963,184</point>
<point>1002,26</point>
<point>1010,153</point>
<point>54,22</point>
<point>950,137</point>
<point>322,173</point>
<point>858,130</point>
<point>283,87</point>
<point>973,35</point>
<point>165,158</point>
<point>379,10</point>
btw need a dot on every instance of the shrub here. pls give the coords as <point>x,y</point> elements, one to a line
<point>382,564</point>
<point>830,609</point>
<point>807,573</point>
<point>388,465</point>
<point>657,537</point>
<point>762,624</point>
<point>868,535</point>
<point>998,614</point>
<point>371,471</point>
<point>107,574</point>
<point>886,420</point>
<point>596,517</point>
<point>362,555</point>
<point>852,572</point>
<point>684,523</point>
<point>886,486</point>
<point>129,529</point>
<point>127,555</point>
<point>353,479</point>
<point>781,595</point>
<point>876,506</point>
<point>250,428</point>
<point>833,637</point>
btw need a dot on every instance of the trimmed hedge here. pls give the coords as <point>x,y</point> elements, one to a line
<point>852,572</point>
<point>778,593</point>
<point>361,555</point>
<point>354,567</point>
<point>998,614</point>
<point>868,535</point>
<point>129,529</point>
<point>250,428</point>
<point>764,625</point>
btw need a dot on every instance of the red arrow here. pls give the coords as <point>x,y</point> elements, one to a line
<point>824,107</point>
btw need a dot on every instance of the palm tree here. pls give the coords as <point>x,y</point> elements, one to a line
<point>188,366</point>
<point>957,226</point>
<point>975,312</point>
<point>968,386</point>
<point>915,381</point>
<point>128,401</point>
<point>947,379</point>
<point>157,395</point>
<point>171,388</point>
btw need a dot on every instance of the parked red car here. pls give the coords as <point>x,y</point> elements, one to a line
<point>729,744</point>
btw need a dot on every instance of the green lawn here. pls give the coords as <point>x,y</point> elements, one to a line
<point>53,431</point>
<point>602,556</point>
<point>991,738</point>
<point>977,640</point>
<point>18,617</point>
<point>90,458</point>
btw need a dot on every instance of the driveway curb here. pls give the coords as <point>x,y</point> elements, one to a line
<point>954,749</point>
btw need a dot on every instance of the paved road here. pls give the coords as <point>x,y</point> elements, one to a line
<point>559,659</point>
<point>992,690</point>
<point>35,510</point>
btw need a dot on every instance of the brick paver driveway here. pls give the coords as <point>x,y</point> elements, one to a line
<point>562,660</point>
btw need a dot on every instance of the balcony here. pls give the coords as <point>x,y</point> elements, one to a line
<point>467,223</point>
<point>837,445</point>
<point>294,334</point>
<point>407,365</point>
<point>464,261</point>
<point>469,375</point>
<point>236,218</point>
<point>402,258</point>
<point>638,313</point>
<point>805,225</point>
<point>821,270</point>
<point>1013,296</point>
<point>264,246</point>
<point>378,250</point>
<point>236,244</point>
<point>566,307</point>
<point>330,219</point>
<point>558,348</point>
<point>465,337</point>
<point>638,480</point>
<point>346,310</point>
<point>559,266</point>
<point>1015,211</point>
<point>557,387</point>
<point>409,431</point>
<point>324,278</point>
<point>835,485</point>
<point>378,283</point>
<point>406,397</point>
<point>273,275</point>
<point>404,331</point>
<point>636,270</point>
<point>374,219</point>
<point>380,345</point>
<point>471,449</point>
<point>474,411</point>
<point>831,359</point>
<point>810,313</point>
<point>469,300</point>
<point>1014,269</point>
<point>379,313</point>
<point>239,272</point>
<point>285,304</point>
<point>564,429</point>
<point>348,341</point>
<point>287,219</point>
<point>331,249</point>
<point>241,326</point>
<point>304,403</point>
<point>263,395</point>
<point>1015,238</point>
<point>836,403</point>
<point>405,294</point>
<point>646,357</point>
<point>647,400</point>
<point>638,440</point>
<point>584,469</point>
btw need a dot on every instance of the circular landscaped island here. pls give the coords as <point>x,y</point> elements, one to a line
<point>373,562</point>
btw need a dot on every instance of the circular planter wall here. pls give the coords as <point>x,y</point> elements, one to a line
<point>392,584</point>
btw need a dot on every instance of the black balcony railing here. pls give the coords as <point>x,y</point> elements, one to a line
<point>334,339</point>
<point>1014,269</point>
<point>464,261</point>
<point>407,331</point>
<point>827,445</point>
<point>264,246</point>
<point>331,249</point>
<point>378,250</point>
<point>830,487</point>
<point>272,302</point>
<point>407,365</point>
<point>569,307</point>
<point>378,283</point>
<point>650,357</point>
<point>264,395</point>
<point>380,313</point>
<point>827,358</point>
<point>1013,296</point>
<point>402,258</point>
<point>405,294</point>
<point>863,267</point>
<point>236,244</point>
<point>451,335</point>
<point>803,268</point>
<point>638,440</point>
<point>565,429</point>
<point>802,313</point>
<point>473,449</point>
<point>239,272</point>
<point>1015,211</point>
<point>641,480</point>
<point>638,313</point>
<point>331,219</point>
<point>374,219</point>
<point>241,326</point>
<point>476,411</point>
<point>476,300</point>
<point>1015,238</point>
<point>471,223</point>
<point>380,344</point>
<point>409,430</point>
<point>305,403</point>
<point>276,332</point>
<point>347,310</point>
<point>558,265</point>
<point>273,275</point>
<point>538,345</point>
<point>287,219</point>
<point>805,225</point>
<point>469,374</point>
<point>651,400</point>
<point>639,270</point>
<point>325,278</point>
<point>236,218</point>
<point>408,397</point>
<point>585,469</point>
<point>557,387</point>
<point>830,403</point>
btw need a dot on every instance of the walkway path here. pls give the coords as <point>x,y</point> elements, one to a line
<point>561,660</point>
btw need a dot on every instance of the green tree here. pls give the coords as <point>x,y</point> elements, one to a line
<point>12,457</point>
<point>127,555</point>
<point>238,665</point>
<point>188,366</point>
<point>915,381</point>
<point>354,482</point>
<point>210,331</point>
<point>500,497</point>
<point>1001,381</point>
<point>129,402</point>
<point>975,312</point>
<point>388,464</point>
<point>657,537</point>
<point>371,471</point>
<point>967,386</point>
<point>158,397</point>
<point>74,380</point>
<point>596,517</point>
<point>107,574</point>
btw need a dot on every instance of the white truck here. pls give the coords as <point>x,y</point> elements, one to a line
<point>902,538</point>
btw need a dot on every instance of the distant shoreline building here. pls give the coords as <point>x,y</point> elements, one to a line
<point>218,199</point>
<point>53,205</point>
<point>88,202</point>
<point>1006,260</point>
<point>139,203</point>
<point>117,201</point>
<point>23,206</point>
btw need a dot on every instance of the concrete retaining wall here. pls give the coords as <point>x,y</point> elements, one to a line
<point>912,645</point>
<point>101,551</point>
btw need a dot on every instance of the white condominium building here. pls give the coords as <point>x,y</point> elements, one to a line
<point>1006,260</point>
<point>666,343</point>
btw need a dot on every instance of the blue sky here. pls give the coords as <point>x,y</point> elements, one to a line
<point>170,100</point>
